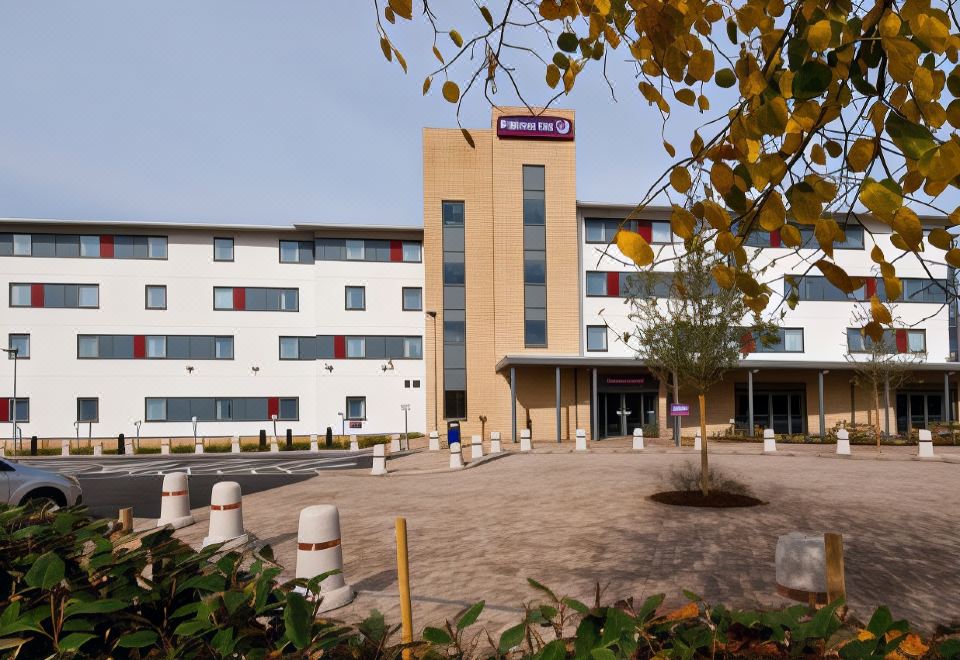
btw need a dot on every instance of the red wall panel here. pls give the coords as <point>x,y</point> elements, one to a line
<point>339,347</point>
<point>396,250</point>
<point>613,284</point>
<point>36,295</point>
<point>239,298</point>
<point>106,246</point>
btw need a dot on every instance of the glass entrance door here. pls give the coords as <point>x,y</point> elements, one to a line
<point>622,412</point>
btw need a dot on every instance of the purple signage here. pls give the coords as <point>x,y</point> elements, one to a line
<point>679,409</point>
<point>525,126</point>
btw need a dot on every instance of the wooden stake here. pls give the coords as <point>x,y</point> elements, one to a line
<point>126,519</point>
<point>403,577</point>
<point>836,585</point>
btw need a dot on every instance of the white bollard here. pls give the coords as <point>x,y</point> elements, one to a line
<point>476,447</point>
<point>3,449</point>
<point>581,440</point>
<point>97,448</point>
<point>769,441</point>
<point>65,448</point>
<point>319,551</point>
<point>843,442</point>
<point>235,444</point>
<point>434,441</point>
<point>638,438</point>
<point>313,442</point>
<point>354,445</point>
<point>226,514</point>
<point>274,447</point>
<point>164,446</point>
<point>925,446</point>
<point>697,442</point>
<point>198,448</point>
<point>379,460</point>
<point>456,458</point>
<point>495,447</point>
<point>175,501</point>
<point>395,443</point>
<point>526,444</point>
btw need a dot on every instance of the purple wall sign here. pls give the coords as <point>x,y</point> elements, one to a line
<point>679,409</point>
<point>551,128</point>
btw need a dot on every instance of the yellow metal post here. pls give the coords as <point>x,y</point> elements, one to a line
<point>403,576</point>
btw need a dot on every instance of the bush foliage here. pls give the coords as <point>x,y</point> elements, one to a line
<point>71,586</point>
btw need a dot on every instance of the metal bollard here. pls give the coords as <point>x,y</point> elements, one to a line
<point>319,551</point>
<point>263,440</point>
<point>121,445</point>
<point>65,448</point>
<point>33,445</point>
<point>329,437</point>
<point>226,514</point>
<point>164,446</point>
<point>98,448</point>
<point>289,439</point>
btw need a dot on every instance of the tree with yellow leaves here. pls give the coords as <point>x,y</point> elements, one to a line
<point>835,103</point>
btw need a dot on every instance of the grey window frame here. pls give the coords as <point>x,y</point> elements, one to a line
<point>453,215</point>
<point>363,402</point>
<point>86,399</point>
<point>20,355</point>
<point>535,270</point>
<point>606,339</point>
<point>233,249</point>
<point>146,296</point>
<point>346,298</point>
<point>21,400</point>
<point>403,298</point>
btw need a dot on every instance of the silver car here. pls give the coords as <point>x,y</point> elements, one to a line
<point>21,483</point>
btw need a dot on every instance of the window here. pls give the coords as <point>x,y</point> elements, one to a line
<point>661,233</point>
<point>289,348</point>
<point>412,299</point>
<point>785,340</point>
<point>454,404</point>
<point>20,343</point>
<point>157,346</point>
<point>156,247</point>
<point>255,299</point>
<point>19,295</point>
<point>18,409</point>
<point>356,407</point>
<point>218,409</point>
<point>22,245</point>
<point>596,284</point>
<point>224,409</point>
<point>296,252</point>
<point>89,295</point>
<point>90,246</point>
<point>853,237</point>
<point>454,309</point>
<point>355,297</point>
<point>55,295</point>
<point>288,409</point>
<point>534,256</point>
<point>600,230</point>
<point>899,340</point>
<point>156,410</point>
<point>355,250</point>
<point>223,348</point>
<point>356,347</point>
<point>156,295</point>
<point>88,410</point>
<point>413,348</point>
<point>223,249</point>
<point>88,346</point>
<point>816,287</point>
<point>412,251</point>
<point>222,298</point>
<point>416,383</point>
<point>596,338</point>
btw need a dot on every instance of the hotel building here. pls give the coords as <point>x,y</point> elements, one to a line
<point>502,312</point>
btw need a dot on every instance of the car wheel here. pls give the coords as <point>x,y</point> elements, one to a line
<point>45,498</point>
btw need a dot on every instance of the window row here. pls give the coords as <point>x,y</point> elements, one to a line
<point>853,238</point>
<point>93,246</point>
<point>350,249</point>
<point>221,409</point>
<point>355,298</point>
<point>534,256</point>
<point>915,289</point>
<point>604,230</point>
<point>255,299</point>
<point>339,347</point>
<point>20,406</point>
<point>787,340</point>
<point>154,347</point>
<point>898,340</point>
<point>74,296</point>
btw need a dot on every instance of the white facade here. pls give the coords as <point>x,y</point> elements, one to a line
<point>54,376</point>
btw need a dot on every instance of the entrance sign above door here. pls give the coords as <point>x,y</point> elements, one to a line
<point>679,409</point>
<point>625,380</point>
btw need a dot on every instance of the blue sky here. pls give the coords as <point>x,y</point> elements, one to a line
<point>241,111</point>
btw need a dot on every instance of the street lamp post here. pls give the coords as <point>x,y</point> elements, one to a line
<point>194,421</point>
<point>343,425</point>
<point>405,407</point>
<point>137,423</point>
<point>13,418</point>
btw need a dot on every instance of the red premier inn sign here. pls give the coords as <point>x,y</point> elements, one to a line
<point>549,128</point>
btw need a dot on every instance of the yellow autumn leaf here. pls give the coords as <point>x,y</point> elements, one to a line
<point>553,75</point>
<point>726,242</point>
<point>701,65</point>
<point>836,276</point>
<point>952,257</point>
<point>635,247</point>
<point>876,255</point>
<point>680,179</point>
<point>682,222</point>
<point>879,311</point>
<point>790,236</point>
<point>940,238</point>
<point>686,96</point>
<point>902,56</point>
<point>880,199</point>
<point>860,154</point>
<point>891,283</point>
<point>818,35</point>
<point>875,331</point>
<point>716,215</point>
<point>602,6</point>
<point>725,276</point>
<point>907,224</point>
<point>772,215</point>
<point>451,91</point>
<point>818,155</point>
<point>928,29</point>
<point>721,176</point>
<point>826,232</point>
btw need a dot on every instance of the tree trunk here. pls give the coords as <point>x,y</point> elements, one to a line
<point>876,405</point>
<point>704,467</point>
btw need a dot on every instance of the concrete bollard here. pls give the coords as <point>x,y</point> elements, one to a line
<point>476,447</point>
<point>319,551</point>
<point>3,449</point>
<point>526,444</point>
<point>313,442</point>
<point>175,501</point>
<point>495,447</point>
<point>843,442</point>
<point>274,447</point>
<point>434,441</point>
<point>226,514</point>
<point>638,438</point>
<point>395,443</point>
<point>769,441</point>
<point>354,445</point>
<point>164,446</point>
<point>65,448</point>
<point>97,448</point>
<point>801,566</point>
<point>925,446</point>
<point>697,442</point>
<point>235,444</point>
<point>198,447</point>
<point>379,460</point>
<point>456,458</point>
<point>581,440</point>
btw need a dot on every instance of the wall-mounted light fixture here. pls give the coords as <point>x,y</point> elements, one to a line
<point>190,369</point>
<point>328,367</point>
<point>255,369</point>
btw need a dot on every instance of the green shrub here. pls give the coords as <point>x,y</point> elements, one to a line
<point>71,586</point>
